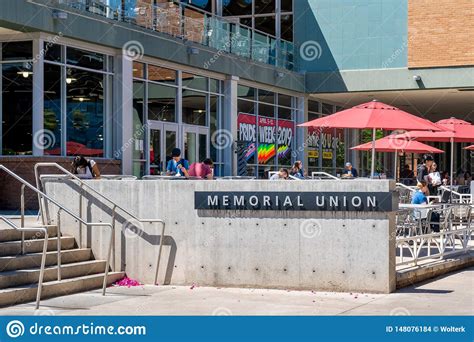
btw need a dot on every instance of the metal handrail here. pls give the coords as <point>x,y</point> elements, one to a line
<point>115,205</point>
<point>461,196</point>
<point>61,207</point>
<point>412,189</point>
<point>313,174</point>
<point>43,253</point>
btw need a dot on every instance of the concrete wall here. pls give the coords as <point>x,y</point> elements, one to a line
<point>334,251</point>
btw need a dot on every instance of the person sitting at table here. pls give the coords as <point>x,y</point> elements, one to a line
<point>202,170</point>
<point>297,170</point>
<point>177,166</point>
<point>281,175</point>
<point>419,197</point>
<point>85,168</point>
<point>350,171</point>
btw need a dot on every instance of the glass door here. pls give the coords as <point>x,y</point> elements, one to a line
<point>196,143</point>
<point>163,138</point>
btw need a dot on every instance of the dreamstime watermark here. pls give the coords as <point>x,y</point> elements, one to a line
<point>44,139</point>
<point>221,311</point>
<point>221,139</point>
<point>132,228</point>
<point>310,229</point>
<point>136,137</point>
<point>400,312</point>
<point>47,45</point>
<point>133,50</point>
<point>311,50</point>
<point>235,38</point>
<point>309,141</point>
<point>15,329</point>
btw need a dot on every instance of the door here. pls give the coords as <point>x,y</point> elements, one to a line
<point>163,137</point>
<point>196,143</point>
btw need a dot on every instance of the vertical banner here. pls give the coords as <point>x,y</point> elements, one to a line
<point>270,133</point>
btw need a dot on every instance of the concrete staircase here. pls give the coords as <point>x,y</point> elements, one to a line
<point>19,273</point>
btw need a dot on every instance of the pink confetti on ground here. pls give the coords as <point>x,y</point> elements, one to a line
<point>128,282</point>
<point>193,286</point>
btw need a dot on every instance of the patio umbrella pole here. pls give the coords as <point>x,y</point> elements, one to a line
<point>452,169</point>
<point>395,168</point>
<point>372,168</point>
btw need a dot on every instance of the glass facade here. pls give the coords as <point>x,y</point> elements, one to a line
<point>266,126</point>
<point>182,110</point>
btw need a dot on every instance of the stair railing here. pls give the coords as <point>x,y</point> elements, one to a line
<point>84,185</point>
<point>66,210</point>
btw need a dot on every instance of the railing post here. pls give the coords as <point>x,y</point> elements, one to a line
<point>80,216</point>
<point>41,275</point>
<point>58,223</point>
<point>22,222</point>
<point>113,236</point>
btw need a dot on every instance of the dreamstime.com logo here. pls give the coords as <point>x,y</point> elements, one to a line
<point>15,329</point>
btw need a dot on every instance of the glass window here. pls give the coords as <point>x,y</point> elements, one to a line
<point>285,135</point>
<point>266,6</point>
<point>194,108</point>
<point>52,52</point>
<point>138,119</point>
<point>327,108</point>
<point>287,27</point>
<point>266,110</point>
<point>13,51</point>
<point>213,124</point>
<point>194,81</point>
<point>313,106</point>
<point>246,22</point>
<point>160,74</point>
<point>284,113</point>
<point>246,106</point>
<point>85,59</point>
<point>266,96</point>
<point>214,86</point>
<point>17,102</point>
<point>285,100</point>
<point>266,24</point>
<point>286,5</point>
<point>246,92</point>
<point>85,113</point>
<point>205,5</point>
<point>237,7</point>
<point>161,102</point>
<point>138,70</point>
<point>52,109</point>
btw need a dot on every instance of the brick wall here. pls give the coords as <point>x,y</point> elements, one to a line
<point>24,167</point>
<point>440,33</point>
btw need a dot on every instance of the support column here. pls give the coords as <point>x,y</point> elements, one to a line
<point>38,133</point>
<point>123,108</point>
<point>300,150</point>
<point>229,124</point>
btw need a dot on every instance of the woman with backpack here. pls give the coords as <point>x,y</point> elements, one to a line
<point>83,168</point>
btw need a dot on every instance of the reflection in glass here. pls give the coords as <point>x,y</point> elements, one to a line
<point>287,27</point>
<point>237,7</point>
<point>267,6</point>
<point>85,59</point>
<point>17,105</point>
<point>52,108</point>
<point>14,51</point>
<point>85,113</point>
<point>194,108</point>
<point>171,143</point>
<point>52,52</point>
<point>213,124</point>
<point>138,70</point>
<point>202,147</point>
<point>155,150</point>
<point>190,147</point>
<point>266,24</point>
<point>161,103</point>
<point>160,74</point>
<point>138,148</point>
<point>194,81</point>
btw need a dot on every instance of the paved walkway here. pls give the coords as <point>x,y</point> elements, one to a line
<point>446,295</point>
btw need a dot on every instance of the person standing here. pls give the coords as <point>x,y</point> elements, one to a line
<point>177,166</point>
<point>435,180</point>
<point>424,169</point>
<point>297,170</point>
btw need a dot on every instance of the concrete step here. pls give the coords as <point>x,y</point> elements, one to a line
<point>25,294</point>
<point>10,234</point>
<point>30,276</point>
<point>34,246</point>
<point>33,260</point>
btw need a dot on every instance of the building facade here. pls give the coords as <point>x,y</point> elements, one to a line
<point>126,81</point>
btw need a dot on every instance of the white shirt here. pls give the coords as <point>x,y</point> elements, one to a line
<point>85,172</point>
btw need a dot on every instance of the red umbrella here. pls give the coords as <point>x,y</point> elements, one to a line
<point>393,144</point>
<point>455,131</point>
<point>471,148</point>
<point>375,115</point>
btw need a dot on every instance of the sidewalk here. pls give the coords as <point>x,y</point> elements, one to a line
<point>446,295</point>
